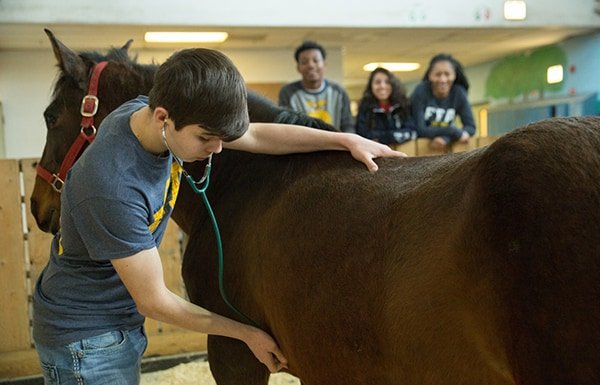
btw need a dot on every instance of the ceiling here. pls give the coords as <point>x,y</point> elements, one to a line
<point>359,46</point>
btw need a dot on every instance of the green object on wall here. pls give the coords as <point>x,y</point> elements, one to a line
<point>525,73</point>
<point>506,80</point>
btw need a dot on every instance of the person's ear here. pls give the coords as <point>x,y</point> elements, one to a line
<point>161,114</point>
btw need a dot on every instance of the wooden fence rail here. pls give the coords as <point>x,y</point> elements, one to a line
<point>24,251</point>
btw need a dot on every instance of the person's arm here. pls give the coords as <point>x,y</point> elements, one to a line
<point>361,122</point>
<point>284,97</point>
<point>142,274</point>
<point>417,106</point>
<point>277,139</point>
<point>376,133</point>
<point>466,113</point>
<point>425,131</point>
<point>451,132</point>
<point>346,123</point>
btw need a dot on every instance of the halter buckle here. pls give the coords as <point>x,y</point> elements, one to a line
<point>89,106</point>
<point>57,183</point>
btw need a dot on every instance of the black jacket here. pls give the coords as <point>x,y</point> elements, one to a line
<point>373,122</point>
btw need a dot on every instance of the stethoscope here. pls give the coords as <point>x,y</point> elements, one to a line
<point>199,187</point>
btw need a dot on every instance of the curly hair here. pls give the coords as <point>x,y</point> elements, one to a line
<point>306,45</point>
<point>398,95</point>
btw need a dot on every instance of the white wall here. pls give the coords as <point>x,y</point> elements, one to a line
<point>27,77</point>
<point>261,65</point>
<point>25,86</point>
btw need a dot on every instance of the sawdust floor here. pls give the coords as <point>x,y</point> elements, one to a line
<point>198,373</point>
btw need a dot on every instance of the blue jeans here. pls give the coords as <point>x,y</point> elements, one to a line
<point>112,358</point>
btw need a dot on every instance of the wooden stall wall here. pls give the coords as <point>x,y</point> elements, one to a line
<point>24,251</point>
<point>420,147</point>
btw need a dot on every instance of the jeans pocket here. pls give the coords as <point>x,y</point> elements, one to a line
<point>50,373</point>
<point>104,341</point>
<point>142,339</point>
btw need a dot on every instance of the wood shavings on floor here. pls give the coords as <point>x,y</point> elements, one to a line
<point>198,373</point>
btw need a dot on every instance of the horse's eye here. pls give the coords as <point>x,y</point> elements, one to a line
<point>49,118</point>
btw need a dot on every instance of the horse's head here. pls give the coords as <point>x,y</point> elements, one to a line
<point>121,80</point>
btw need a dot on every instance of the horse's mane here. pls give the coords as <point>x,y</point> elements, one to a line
<point>113,54</point>
<point>120,55</point>
<point>116,55</point>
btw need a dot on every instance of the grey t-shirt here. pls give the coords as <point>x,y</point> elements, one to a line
<point>115,203</point>
<point>330,104</point>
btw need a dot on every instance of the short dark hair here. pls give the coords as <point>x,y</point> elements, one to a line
<point>202,86</point>
<point>306,45</point>
<point>461,78</point>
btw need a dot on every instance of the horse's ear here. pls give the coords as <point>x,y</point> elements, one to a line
<point>68,61</point>
<point>127,45</point>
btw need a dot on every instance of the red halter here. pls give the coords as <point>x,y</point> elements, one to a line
<point>89,107</point>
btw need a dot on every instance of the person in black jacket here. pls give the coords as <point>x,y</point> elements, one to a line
<point>384,110</point>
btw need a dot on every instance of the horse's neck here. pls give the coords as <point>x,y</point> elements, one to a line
<point>146,73</point>
<point>138,81</point>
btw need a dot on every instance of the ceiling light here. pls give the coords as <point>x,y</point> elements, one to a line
<point>554,74</point>
<point>515,10</point>
<point>393,67</point>
<point>185,37</point>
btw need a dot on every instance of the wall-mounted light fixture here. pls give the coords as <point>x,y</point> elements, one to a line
<point>393,67</point>
<point>185,37</point>
<point>554,74</point>
<point>515,10</point>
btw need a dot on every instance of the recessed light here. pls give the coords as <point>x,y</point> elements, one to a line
<point>554,74</point>
<point>185,37</point>
<point>515,10</point>
<point>393,67</point>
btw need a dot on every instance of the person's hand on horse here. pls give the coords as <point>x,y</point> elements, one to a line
<point>365,150</point>
<point>264,347</point>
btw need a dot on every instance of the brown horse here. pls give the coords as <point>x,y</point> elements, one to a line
<point>472,268</point>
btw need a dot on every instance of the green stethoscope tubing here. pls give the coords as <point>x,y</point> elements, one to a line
<point>199,188</point>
